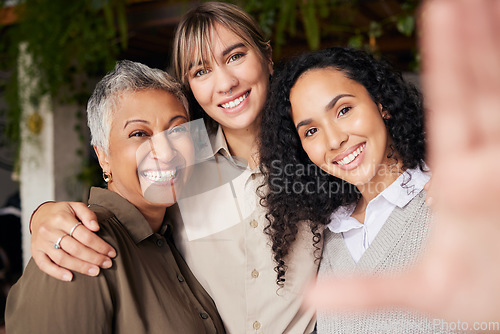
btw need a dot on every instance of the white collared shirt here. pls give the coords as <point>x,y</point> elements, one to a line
<point>358,236</point>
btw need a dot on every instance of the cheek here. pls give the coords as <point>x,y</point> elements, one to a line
<point>200,91</point>
<point>125,162</point>
<point>185,148</point>
<point>315,152</point>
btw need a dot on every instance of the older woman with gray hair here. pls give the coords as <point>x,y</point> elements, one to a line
<point>138,121</point>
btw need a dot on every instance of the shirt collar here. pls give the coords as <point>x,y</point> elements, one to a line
<point>399,193</point>
<point>219,145</point>
<point>129,216</point>
<point>340,219</point>
<point>406,187</point>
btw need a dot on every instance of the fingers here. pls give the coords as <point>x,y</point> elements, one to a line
<point>76,246</point>
<point>363,293</point>
<point>43,262</point>
<point>480,28</point>
<point>461,74</point>
<point>84,215</point>
<point>83,251</point>
<point>429,199</point>
<point>55,219</point>
<point>69,255</point>
<point>445,86</point>
<point>90,240</point>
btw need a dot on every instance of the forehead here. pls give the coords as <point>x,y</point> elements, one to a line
<point>148,102</point>
<point>323,81</point>
<point>208,45</point>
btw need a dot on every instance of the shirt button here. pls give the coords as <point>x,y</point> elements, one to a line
<point>255,273</point>
<point>203,315</point>
<point>254,223</point>
<point>256,325</point>
<point>253,176</point>
<point>159,242</point>
<point>180,278</point>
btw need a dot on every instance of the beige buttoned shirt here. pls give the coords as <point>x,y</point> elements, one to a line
<point>223,241</point>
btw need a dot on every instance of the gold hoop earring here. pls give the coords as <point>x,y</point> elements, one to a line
<point>106,176</point>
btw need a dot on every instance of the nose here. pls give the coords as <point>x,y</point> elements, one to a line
<point>226,80</point>
<point>161,148</point>
<point>335,136</point>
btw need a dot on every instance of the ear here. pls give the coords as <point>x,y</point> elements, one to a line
<point>383,112</point>
<point>103,159</point>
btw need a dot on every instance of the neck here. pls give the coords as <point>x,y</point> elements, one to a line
<point>152,213</point>
<point>383,179</point>
<point>243,143</point>
<point>154,216</point>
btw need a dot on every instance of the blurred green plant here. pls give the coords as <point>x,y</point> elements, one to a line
<point>317,19</point>
<point>67,42</point>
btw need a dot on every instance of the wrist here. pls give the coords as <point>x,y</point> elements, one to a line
<point>38,207</point>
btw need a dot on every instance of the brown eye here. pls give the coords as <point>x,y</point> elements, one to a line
<point>344,111</point>
<point>138,134</point>
<point>310,132</point>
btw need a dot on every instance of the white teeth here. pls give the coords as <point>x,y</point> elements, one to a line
<point>348,159</point>
<point>235,102</point>
<point>159,176</point>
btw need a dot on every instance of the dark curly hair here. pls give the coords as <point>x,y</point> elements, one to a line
<point>299,190</point>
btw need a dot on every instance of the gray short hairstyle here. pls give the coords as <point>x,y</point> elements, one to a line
<point>127,77</point>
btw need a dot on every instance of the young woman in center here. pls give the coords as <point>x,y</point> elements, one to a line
<point>342,145</point>
<point>224,62</point>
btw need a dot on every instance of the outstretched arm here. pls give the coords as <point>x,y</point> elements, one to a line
<point>83,251</point>
<point>459,273</point>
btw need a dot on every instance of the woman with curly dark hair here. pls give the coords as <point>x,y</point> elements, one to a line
<point>342,145</point>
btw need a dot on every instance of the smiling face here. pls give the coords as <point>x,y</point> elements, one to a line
<point>149,148</point>
<point>232,86</point>
<point>341,128</point>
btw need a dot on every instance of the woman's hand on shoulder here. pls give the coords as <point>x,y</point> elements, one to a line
<point>70,226</point>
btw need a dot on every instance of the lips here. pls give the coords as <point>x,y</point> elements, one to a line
<point>234,102</point>
<point>160,175</point>
<point>350,155</point>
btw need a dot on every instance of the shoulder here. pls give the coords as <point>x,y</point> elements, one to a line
<point>111,229</point>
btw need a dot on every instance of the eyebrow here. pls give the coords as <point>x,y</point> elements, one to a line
<point>231,48</point>
<point>134,121</point>
<point>224,53</point>
<point>336,99</point>
<point>329,106</point>
<point>146,122</point>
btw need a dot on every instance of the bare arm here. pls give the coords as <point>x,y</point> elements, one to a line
<point>83,251</point>
<point>459,274</point>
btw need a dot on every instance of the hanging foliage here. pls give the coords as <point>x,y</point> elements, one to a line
<point>315,20</point>
<point>66,41</point>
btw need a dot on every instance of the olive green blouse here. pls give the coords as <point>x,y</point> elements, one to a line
<point>149,288</point>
